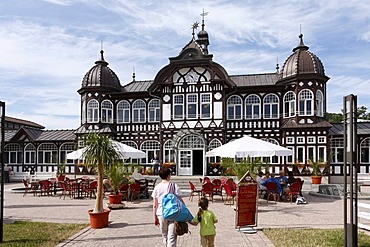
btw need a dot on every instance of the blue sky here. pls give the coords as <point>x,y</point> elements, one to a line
<point>47,46</point>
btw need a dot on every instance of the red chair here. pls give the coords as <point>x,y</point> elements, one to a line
<point>272,190</point>
<point>28,187</point>
<point>217,187</point>
<point>45,187</point>
<point>223,180</point>
<point>66,189</point>
<point>232,184</point>
<point>207,190</point>
<point>124,189</point>
<point>230,195</point>
<point>194,191</point>
<point>90,189</point>
<point>134,191</point>
<point>293,190</point>
<point>206,180</point>
<point>301,183</point>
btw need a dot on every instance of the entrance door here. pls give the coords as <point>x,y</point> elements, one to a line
<point>185,164</point>
<point>197,162</point>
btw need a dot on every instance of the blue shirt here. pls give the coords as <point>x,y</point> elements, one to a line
<point>274,181</point>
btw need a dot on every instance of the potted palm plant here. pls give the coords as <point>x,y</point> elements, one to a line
<point>99,152</point>
<point>60,171</point>
<point>117,176</point>
<point>316,168</point>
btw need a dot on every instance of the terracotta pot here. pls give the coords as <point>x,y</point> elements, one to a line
<point>316,179</point>
<point>61,177</point>
<point>115,199</point>
<point>99,220</point>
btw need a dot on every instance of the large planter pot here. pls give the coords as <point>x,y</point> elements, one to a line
<point>115,198</point>
<point>316,179</point>
<point>61,177</point>
<point>99,220</point>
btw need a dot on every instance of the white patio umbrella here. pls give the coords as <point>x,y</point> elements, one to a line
<point>249,146</point>
<point>123,150</point>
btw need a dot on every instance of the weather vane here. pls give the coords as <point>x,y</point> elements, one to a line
<point>195,26</point>
<point>203,14</point>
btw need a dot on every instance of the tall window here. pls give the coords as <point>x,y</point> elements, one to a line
<point>30,154</point>
<point>13,153</point>
<point>178,106</point>
<point>305,103</point>
<point>192,106</point>
<point>289,104</point>
<point>234,107</point>
<point>47,154</point>
<point>271,106</point>
<point>138,108</point>
<point>252,106</point>
<point>319,103</point>
<point>123,112</point>
<point>365,151</point>
<point>93,111</point>
<point>169,152</point>
<point>154,110</point>
<point>106,112</point>
<point>205,108</point>
<point>337,150</point>
<point>151,148</point>
<point>64,149</point>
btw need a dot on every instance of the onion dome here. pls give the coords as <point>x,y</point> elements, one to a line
<point>101,76</point>
<point>203,39</point>
<point>302,62</point>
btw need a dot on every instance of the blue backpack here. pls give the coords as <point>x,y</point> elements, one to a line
<point>172,207</point>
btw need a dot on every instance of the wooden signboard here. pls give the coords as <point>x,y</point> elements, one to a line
<point>246,206</point>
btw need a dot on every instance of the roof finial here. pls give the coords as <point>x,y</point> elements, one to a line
<point>133,74</point>
<point>277,65</point>
<point>194,26</point>
<point>203,15</point>
<point>101,45</point>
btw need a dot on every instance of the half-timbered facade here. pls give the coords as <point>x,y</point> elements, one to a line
<point>194,105</point>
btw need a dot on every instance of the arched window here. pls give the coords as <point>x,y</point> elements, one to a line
<point>13,153</point>
<point>64,149</point>
<point>319,104</point>
<point>289,104</point>
<point>93,111</point>
<point>106,112</point>
<point>30,154</point>
<point>138,108</point>
<point>151,148</point>
<point>252,107</point>
<point>271,106</point>
<point>169,152</point>
<point>123,112</point>
<point>305,103</point>
<point>365,150</point>
<point>234,108</point>
<point>215,143</point>
<point>47,154</point>
<point>153,110</point>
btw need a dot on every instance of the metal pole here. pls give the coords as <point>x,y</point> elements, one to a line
<point>345,169</point>
<point>2,106</point>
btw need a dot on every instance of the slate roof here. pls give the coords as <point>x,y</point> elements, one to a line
<point>137,86</point>
<point>363,128</point>
<point>23,122</point>
<point>42,135</point>
<point>255,79</point>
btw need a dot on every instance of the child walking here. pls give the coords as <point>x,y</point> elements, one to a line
<point>207,220</point>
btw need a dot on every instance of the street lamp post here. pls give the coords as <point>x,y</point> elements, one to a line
<point>2,126</point>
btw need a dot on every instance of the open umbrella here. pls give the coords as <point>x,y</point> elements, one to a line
<point>249,146</point>
<point>123,150</point>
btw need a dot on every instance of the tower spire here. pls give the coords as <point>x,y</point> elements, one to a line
<point>203,15</point>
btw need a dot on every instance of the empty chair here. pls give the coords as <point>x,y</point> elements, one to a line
<point>45,187</point>
<point>90,189</point>
<point>230,195</point>
<point>134,190</point>
<point>206,180</point>
<point>293,190</point>
<point>217,187</point>
<point>223,180</point>
<point>194,191</point>
<point>207,190</point>
<point>66,189</point>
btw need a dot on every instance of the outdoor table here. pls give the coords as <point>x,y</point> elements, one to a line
<point>77,186</point>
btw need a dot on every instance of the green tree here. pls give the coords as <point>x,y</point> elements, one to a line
<point>99,152</point>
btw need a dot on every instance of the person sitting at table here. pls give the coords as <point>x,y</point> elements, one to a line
<point>260,180</point>
<point>291,178</point>
<point>274,180</point>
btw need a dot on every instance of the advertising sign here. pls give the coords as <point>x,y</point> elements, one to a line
<point>246,209</point>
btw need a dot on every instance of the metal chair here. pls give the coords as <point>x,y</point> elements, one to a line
<point>230,195</point>
<point>272,190</point>
<point>293,190</point>
<point>207,190</point>
<point>194,191</point>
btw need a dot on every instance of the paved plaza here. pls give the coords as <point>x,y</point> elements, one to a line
<point>133,226</point>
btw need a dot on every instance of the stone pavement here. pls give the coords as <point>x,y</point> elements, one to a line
<point>133,226</point>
